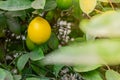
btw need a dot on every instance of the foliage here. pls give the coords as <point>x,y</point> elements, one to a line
<point>85,38</point>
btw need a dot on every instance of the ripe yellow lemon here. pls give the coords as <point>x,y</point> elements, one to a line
<point>39,30</point>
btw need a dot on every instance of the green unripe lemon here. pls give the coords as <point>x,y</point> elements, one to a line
<point>64,4</point>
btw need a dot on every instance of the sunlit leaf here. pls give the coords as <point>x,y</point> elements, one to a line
<point>112,75</point>
<point>105,25</point>
<point>87,6</point>
<point>93,52</point>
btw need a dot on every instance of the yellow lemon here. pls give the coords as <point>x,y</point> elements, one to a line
<point>39,30</point>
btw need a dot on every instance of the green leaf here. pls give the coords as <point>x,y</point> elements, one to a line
<point>85,68</point>
<point>92,75</point>
<point>13,5</point>
<point>90,53</point>
<point>5,75</point>
<point>50,5</point>
<point>8,75</point>
<point>37,54</point>
<point>15,13</point>
<point>53,42</point>
<point>105,25</point>
<point>38,4</point>
<point>14,25</point>
<point>17,77</point>
<point>112,75</point>
<point>57,69</point>
<point>22,61</point>
<point>2,74</point>
<point>39,70</point>
<point>76,9</point>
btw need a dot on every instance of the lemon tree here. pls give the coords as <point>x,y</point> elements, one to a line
<point>59,39</point>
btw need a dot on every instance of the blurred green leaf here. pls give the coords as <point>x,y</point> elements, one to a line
<point>92,75</point>
<point>89,53</point>
<point>22,61</point>
<point>8,75</point>
<point>38,4</point>
<point>1,12</point>
<point>5,75</point>
<point>105,25</point>
<point>112,75</point>
<point>13,5</point>
<point>85,68</point>
<point>2,74</point>
<point>37,54</point>
<point>50,5</point>
<point>17,77</point>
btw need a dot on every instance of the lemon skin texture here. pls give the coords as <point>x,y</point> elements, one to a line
<point>39,30</point>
